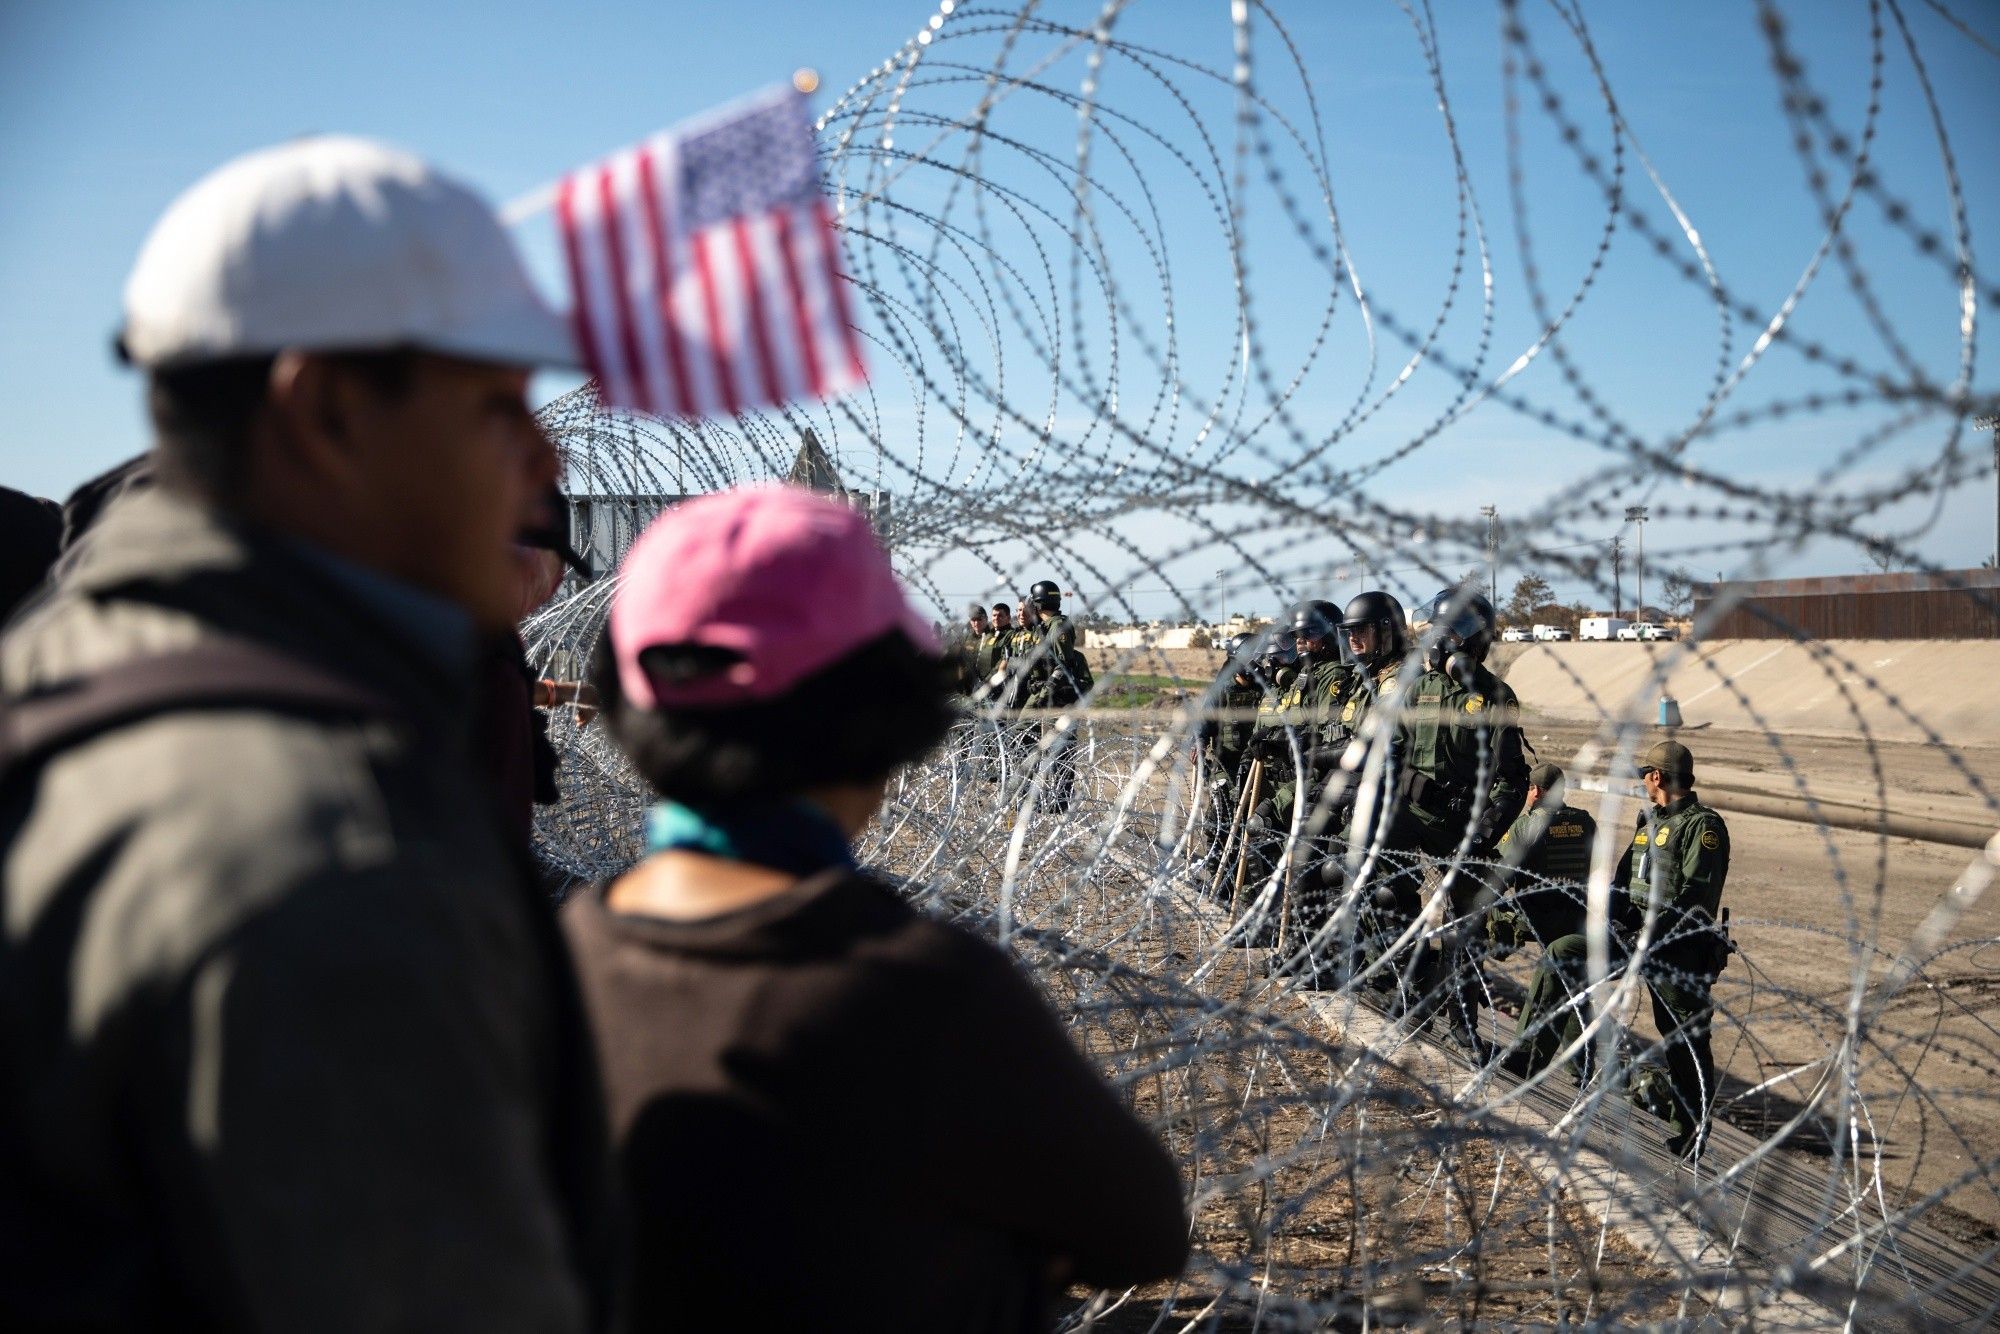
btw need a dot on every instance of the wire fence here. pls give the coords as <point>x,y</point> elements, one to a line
<point>1140,321</point>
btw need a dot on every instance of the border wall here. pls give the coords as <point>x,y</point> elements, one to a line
<point>1951,604</point>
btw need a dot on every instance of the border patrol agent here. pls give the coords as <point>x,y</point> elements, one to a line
<point>1373,641</point>
<point>1464,779</point>
<point>967,649</point>
<point>1298,713</point>
<point>1547,853</point>
<point>1237,692</point>
<point>1057,677</point>
<point>1677,863</point>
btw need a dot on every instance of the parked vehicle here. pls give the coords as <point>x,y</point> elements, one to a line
<point>1660,632</point>
<point>1513,634</point>
<point>1633,631</point>
<point>1601,627</point>
<point>1550,634</point>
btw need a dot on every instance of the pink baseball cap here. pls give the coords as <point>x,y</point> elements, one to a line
<point>791,580</point>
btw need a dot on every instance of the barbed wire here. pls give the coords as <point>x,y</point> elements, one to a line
<point>1133,318</point>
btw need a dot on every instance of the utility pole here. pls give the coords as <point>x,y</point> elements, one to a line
<point>1221,599</point>
<point>1492,551</point>
<point>1637,514</point>
<point>1991,425</point>
<point>1617,566</point>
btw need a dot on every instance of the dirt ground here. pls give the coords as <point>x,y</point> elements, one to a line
<point>1807,903</point>
<point>1815,908</point>
<point>1329,1193</point>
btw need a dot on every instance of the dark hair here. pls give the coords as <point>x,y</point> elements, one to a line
<point>1001,606</point>
<point>203,412</point>
<point>881,706</point>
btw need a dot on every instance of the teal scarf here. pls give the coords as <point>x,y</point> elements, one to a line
<point>794,836</point>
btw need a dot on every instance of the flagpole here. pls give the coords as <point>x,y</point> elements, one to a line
<point>805,82</point>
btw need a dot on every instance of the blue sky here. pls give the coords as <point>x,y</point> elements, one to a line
<point>108,109</point>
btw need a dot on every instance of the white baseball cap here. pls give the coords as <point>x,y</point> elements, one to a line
<point>334,244</point>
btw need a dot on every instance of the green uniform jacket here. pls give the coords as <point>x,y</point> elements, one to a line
<point>1300,705</point>
<point>986,655</point>
<point>1014,649</point>
<point>1443,732</point>
<point>989,654</point>
<point>1227,738</point>
<point>1556,844</point>
<point>1350,705</point>
<point>962,652</point>
<point>291,1042</point>
<point>1681,852</point>
<point>1050,685</point>
<point>1553,844</point>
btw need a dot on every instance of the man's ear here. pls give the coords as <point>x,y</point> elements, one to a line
<point>314,417</point>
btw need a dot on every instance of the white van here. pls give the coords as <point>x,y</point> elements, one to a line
<point>1550,634</point>
<point>1600,627</point>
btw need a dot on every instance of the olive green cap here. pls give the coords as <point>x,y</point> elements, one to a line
<point>1545,776</point>
<point>1671,758</point>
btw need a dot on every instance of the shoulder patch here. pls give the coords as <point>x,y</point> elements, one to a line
<point>1710,839</point>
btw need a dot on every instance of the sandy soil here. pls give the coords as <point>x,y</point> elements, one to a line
<point>1326,1180</point>
<point>1815,908</point>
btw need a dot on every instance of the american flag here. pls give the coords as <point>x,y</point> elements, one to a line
<point>706,269</point>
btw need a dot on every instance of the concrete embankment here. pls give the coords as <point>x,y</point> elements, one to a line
<point>1885,688</point>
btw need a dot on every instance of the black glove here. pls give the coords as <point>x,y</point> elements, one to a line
<point>1486,832</point>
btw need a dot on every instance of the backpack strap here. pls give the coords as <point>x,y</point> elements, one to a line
<point>217,673</point>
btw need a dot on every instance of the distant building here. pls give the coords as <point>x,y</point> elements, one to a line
<point>604,526</point>
<point>1951,604</point>
<point>1142,636</point>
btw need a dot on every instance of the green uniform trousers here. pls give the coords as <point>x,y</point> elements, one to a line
<point>1553,1017</point>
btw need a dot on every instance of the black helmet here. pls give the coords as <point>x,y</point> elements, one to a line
<point>1456,622</point>
<point>1279,651</point>
<point>1045,595</point>
<point>1233,646</point>
<point>1315,619</point>
<point>1378,609</point>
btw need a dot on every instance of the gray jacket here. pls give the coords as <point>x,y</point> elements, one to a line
<point>287,1040</point>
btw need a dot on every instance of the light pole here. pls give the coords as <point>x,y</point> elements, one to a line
<point>1637,514</point>
<point>1618,574</point>
<point>1492,551</point>
<point>1221,599</point>
<point>1991,425</point>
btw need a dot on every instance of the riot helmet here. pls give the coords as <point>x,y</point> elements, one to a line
<point>1458,628</point>
<point>1237,654</point>
<point>1280,651</point>
<point>1314,622</point>
<point>1046,595</point>
<point>1381,611</point>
